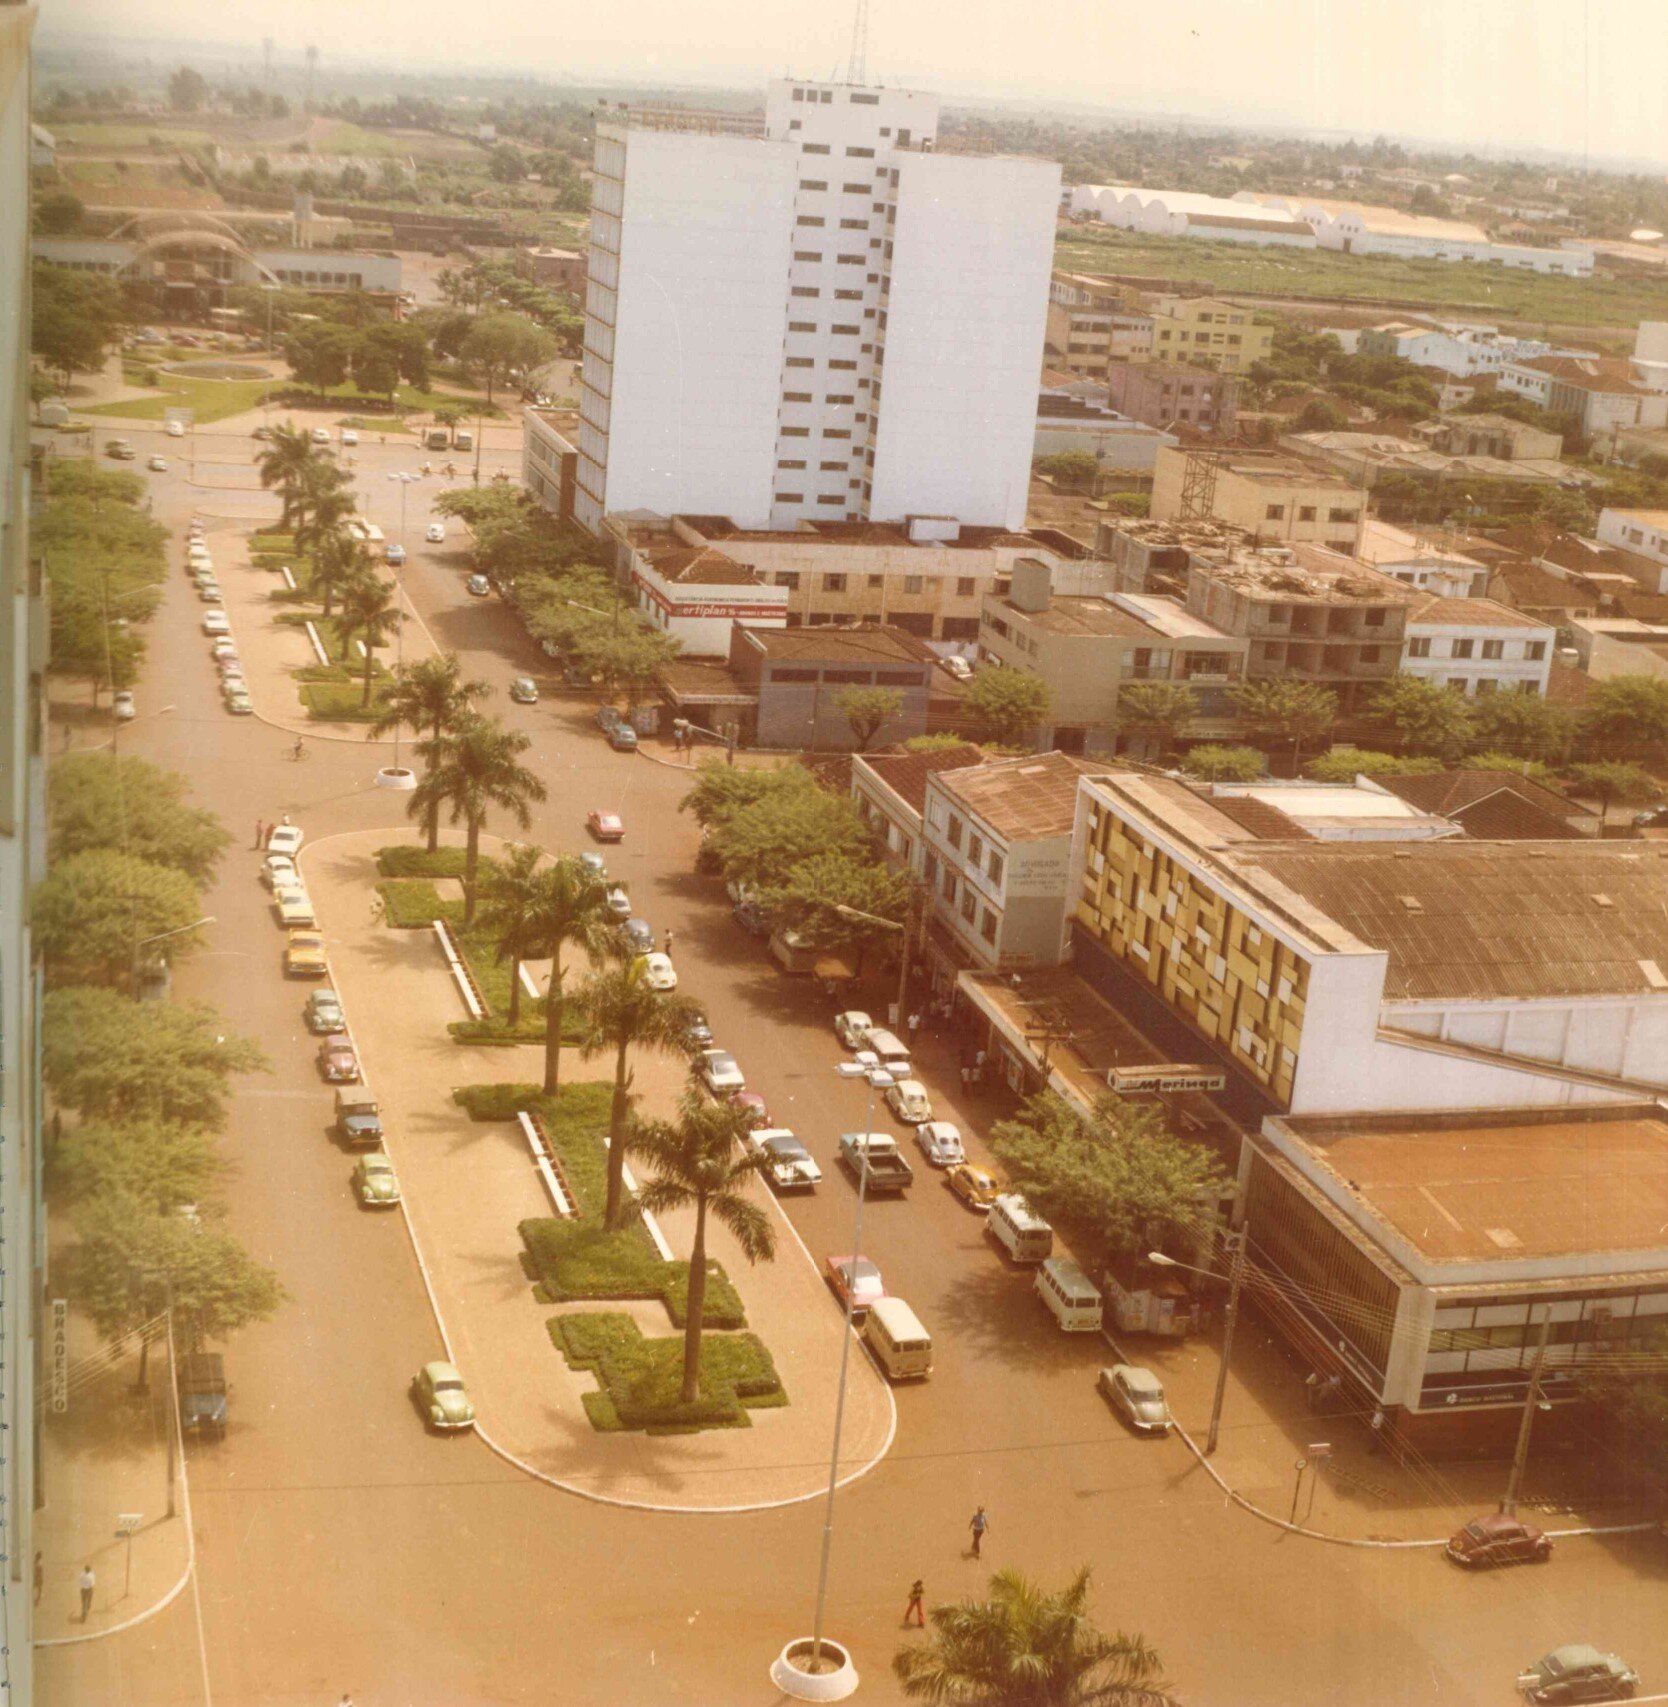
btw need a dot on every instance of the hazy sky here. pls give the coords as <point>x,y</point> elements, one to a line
<point>1570,75</point>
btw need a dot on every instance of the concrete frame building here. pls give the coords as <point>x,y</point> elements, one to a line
<point>819,315</point>
<point>1091,324</point>
<point>549,462</point>
<point>1272,497</point>
<point>1168,394</point>
<point>1605,394</point>
<point>1416,560</point>
<point>890,790</point>
<point>1475,646</point>
<point>1644,533</point>
<point>1209,331</point>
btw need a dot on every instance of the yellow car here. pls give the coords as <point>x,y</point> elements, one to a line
<point>977,1187</point>
<point>304,955</point>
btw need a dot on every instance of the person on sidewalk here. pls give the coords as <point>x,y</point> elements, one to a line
<point>979,1525</point>
<point>1375,1441</point>
<point>917,1599</point>
<point>914,1023</point>
<point>260,834</point>
<point>666,947</point>
<point>88,1583</point>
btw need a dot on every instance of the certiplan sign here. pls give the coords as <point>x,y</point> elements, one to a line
<point>1167,1076</point>
<point>60,1354</point>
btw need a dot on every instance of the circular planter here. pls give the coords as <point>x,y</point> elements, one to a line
<point>396,776</point>
<point>835,1684</point>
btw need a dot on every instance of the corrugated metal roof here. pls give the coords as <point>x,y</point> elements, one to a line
<point>1021,799</point>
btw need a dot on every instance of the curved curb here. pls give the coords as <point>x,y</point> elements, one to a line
<point>151,1611</point>
<point>617,1501</point>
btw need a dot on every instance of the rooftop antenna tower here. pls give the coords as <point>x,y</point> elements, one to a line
<point>857,71</point>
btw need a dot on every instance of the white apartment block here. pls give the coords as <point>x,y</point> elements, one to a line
<point>1476,646</point>
<point>1642,531</point>
<point>816,318</point>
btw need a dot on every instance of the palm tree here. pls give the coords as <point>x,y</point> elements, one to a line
<point>368,613</point>
<point>1026,1648</point>
<point>470,770</point>
<point>321,479</point>
<point>331,507</point>
<point>571,911</point>
<point>697,1162</point>
<point>510,893</point>
<point>339,560</point>
<point>287,451</point>
<point>430,695</point>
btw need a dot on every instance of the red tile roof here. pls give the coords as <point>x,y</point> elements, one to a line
<point>906,773</point>
<point>1470,613</point>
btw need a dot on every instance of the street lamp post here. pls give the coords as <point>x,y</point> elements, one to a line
<point>1532,1402</point>
<point>1236,1279</point>
<point>397,775</point>
<point>162,936</point>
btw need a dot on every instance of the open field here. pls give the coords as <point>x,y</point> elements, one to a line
<point>167,135</point>
<point>213,400</point>
<point>1488,291</point>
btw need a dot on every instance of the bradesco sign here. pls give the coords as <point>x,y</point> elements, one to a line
<point>1164,1076</point>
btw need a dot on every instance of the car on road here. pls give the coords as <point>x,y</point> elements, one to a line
<point>175,429</point>
<point>788,1165</point>
<point>977,1187</point>
<point>285,839</point>
<point>320,435</point>
<point>239,704</point>
<point>605,826</point>
<point>157,464</point>
<point>375,1183</point>
<point>1652,818</point>
<point>1138,1395</point>
<point>524,691</point>
<point>638,935</point>
<point>594,863</point>
<point>122,706</point>
<point>658,972</point>
<point>606,718</point>
<point>439,1392</point>
<point>940,1142</point>
<point>752,918</point>
<point>304,955</point>
<point>278,871</point>
<point>697,1033</point>
<point>619,903</point>
<point>323,1012</point>
<point>120,450</point>
<point>1497,1539</point>
<point>623,738</point>
<point>337,1061</point>
<point>856,1283</point>
<point>231,675</point>
<point>295,906</point>
<point>395,554</point>
<point>209,592</point>
<point>1578,1672</point>
<point>216,622</point>
<point>909,1101</point>
<point>223,647</point>
<point>477,586</point>
<point>853,1028</point>
<point>717,1070</point>
<point>752,1106</point>
<point>261,433</point>
<point>435,533</point>
<point>350,435</point>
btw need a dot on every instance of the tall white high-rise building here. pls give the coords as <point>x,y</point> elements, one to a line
<point>817,317</point>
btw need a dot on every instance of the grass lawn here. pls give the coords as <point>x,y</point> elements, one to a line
<point>214,399</point>
<point>1493,292</point>
<point>129,135</point>
<point>641,1378</point>
<point>403,861</point>
<point>410,903</point>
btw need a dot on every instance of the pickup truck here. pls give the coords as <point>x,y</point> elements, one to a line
<point>888,1168</point>
<point>358,1115</point>
<point>203,1394</point>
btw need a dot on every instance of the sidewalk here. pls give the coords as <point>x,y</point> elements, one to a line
<point>468,1184</point>
<point>105,1458</point>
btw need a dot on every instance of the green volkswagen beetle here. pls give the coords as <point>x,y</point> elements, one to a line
<point>438,1390</point>
<point>375,1183</point>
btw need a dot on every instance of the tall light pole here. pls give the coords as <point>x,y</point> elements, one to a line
<point>162,936</point>
<point>397,775</point>
<point>1532,1402</point>
<point>1236,1279</point>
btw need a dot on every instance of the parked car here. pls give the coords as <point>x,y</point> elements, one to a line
<point>752,918</point>
<point>853,1028</point>
<point>940,1142</point>
<point>223,647</point>
<point>524,691</point>
<point>304,955</point>
<point>619,904</point>
<point>319,435</point>
<point>697,1033</point>
<point>977,1187</point>
<point>856,1282</point>
<point>216,622</point>
<point>440,1395</point>
<point>477,586</point>
<point>358,1116</point>
<point>435,533</point>
<point>157,464</point>
<point>209,592</point>
<point>1496,1539</point>
<point>789,1166</point>
<point>285,839</point>
<point>239,704</point>
<point>717,1070</point>
<point>120,450</point>
<point>323,1012</point>
<point>394,554</point>
<point>908,1100</point>
<point>350,435</point>
<point>337,1060</point>
<point>605,826</point>
<point>594,863</point>
<point>122,706</point>
<point>607,718</point>
<point>623,738</point>
<point>659,972</point>
<point>375,1183</point>
<point>1138,1395</point>
<point>753,1108</point>
<point>1652,818</point>
<point>958,667</point>
<point>1578,1672</point>
<point>295,906</point>
<point>638,936</point>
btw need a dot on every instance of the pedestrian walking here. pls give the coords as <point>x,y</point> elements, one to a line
<point>979,1524</point>
<point>1375,1443</point>
<point>666,947</point>
<point>40,1578</point>
<point>914,1023</point>
<point>260,834</point>
<point>917,1603</point>
<point>88,1583</point>
<point>966,1074</point>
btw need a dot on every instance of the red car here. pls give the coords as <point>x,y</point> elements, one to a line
<point>754,1107</point>
<point>857,1281</point>
<point>337,1060</point>
<point>1499,1540</point>
<point>605,826</point>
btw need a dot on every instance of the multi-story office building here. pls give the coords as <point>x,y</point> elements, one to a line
<point>1271,496</point>
<point>22,865</point>
<point>1090,324</point>
<point>1209,332</point>
<point>1476,646</point>
<point>1169,394</point>
<point>814,315</point>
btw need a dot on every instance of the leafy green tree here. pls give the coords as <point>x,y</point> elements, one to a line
<point>375,370</point>
<point>187,90</point>
<point>431,697</point>
<point>622,1013</point>
<point>1631,1394</point>
<point>1626,716</point>
<point>328,507</point>
<point>1007,704</point>
<point>1026,1647</point>
<point>57,213</point>
<point>95,800</point>
<point>722,790</point>
<point>87,644</point>
<point>867,709</point>
<point>1522,723</point>
<point>702,1163</point>
<point>1345,763</point>
<point>627,657</point>
<point>505,165</point>
<point>567,909</point>
<point>501,345</point>
<point>370,616</point>
<point>810,895</point>
<point>1119,1180</point>
<point>319,354</point>
<point>1279,708</point>
<point>280,462</point>
<point>159,1163</point>
<point>759,845</point>
<point>108,1057</point>
<point>1614,783</point>
<point>1531,770</point>
<point>402,343</point>
<point>74,319</point>
<point>1224,764</point>
<point>1158,712</point>
<point>93,909</point>
<point>934,743</point>
<point>340,559</point>
<point>1425,716</point>
<point>1070,467</point>
<point>471,770</point>
<point>509,900</point>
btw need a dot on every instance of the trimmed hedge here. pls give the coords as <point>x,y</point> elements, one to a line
<point>580,1259</point>
<point>405,860</point>
<point>641,1378</point>
<point>410,904</point>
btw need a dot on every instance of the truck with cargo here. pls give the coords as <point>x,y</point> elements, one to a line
<point>876,1153</point>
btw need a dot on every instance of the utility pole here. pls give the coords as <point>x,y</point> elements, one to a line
<point>1236,1278</point>
<point>1532,1402</point>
